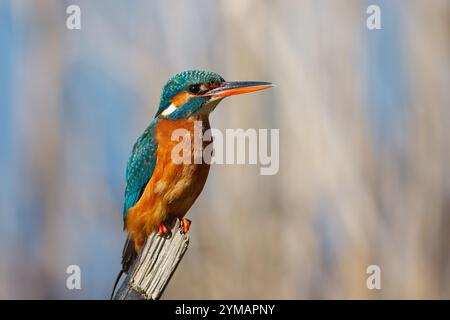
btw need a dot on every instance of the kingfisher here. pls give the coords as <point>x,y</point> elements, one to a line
<point>159,190</point>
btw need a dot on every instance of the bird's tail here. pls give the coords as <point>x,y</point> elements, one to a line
<point>128,257</point>
<point>119,275</point>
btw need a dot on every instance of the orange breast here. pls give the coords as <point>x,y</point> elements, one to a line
<point>173,187</point>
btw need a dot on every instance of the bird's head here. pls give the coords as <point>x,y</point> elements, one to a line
<point>199,92</point>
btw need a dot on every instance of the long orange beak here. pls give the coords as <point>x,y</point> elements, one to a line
<point>238,87</point>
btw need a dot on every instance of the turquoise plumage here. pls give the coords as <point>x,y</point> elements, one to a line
<point>141,164</point>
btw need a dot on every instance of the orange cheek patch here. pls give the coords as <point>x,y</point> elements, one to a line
<point>213,85</point>
<point>180,99</point>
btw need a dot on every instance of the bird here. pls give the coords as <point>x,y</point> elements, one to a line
<point>157,188</point>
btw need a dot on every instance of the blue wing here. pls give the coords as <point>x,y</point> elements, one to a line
<point>141,164</point>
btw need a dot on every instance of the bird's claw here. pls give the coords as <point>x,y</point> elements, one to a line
<point>163,230</point>
<point>185,225</point>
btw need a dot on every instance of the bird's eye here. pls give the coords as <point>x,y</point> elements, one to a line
<point>194,88</point>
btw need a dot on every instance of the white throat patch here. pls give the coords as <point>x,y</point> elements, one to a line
<point>169,110</point>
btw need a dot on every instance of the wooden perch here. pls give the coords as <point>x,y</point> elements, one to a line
<point>154,266</point>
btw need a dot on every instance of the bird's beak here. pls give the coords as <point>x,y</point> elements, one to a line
<point>237,87</point>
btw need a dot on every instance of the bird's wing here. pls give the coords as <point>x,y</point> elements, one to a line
<point>141,164</point>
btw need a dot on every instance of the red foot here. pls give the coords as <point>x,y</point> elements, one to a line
<point>162,230</point>
<point>185,224</point>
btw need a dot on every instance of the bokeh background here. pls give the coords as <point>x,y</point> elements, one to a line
<point>364,122</point>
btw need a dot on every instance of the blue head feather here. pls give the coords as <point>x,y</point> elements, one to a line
<point>180,83</point>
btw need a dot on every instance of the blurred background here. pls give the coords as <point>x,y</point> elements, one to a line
<point>364,120</point>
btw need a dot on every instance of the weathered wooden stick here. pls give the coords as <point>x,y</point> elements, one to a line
<point>154,266</point>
